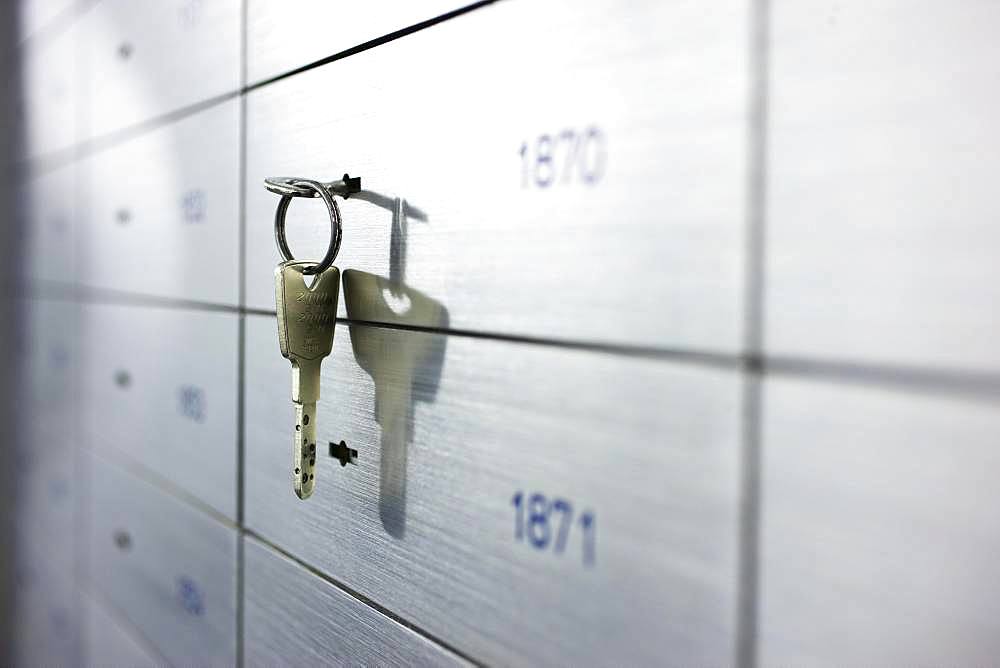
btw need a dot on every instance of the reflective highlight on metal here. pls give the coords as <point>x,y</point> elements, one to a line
<point>321,191</point>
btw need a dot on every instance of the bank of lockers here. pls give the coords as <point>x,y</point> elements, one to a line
<point>667,333</point>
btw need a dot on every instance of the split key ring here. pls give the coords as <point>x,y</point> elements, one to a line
<point>289,188</point>
<point>284,185</point>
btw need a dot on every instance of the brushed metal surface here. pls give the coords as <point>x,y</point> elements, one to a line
<point>651,254</point>
<point>879,541</point>
<point>107,641</point>
<point>53,90</point>
<point>45,503</point>
<point>150,57</point>
<point>42,443</point>
<point>284,35</point>
<point>169,569</point>
<point>882,158</point>
<point>33,15</point>
<point>294,618</point>
<point>173,230</point>
<point>45,631</point>
<point>48,355</point>
<point>47,209</point>
<point>450,429</point>
<point>159,387</point>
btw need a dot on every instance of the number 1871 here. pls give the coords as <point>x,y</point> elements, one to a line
<point>544,523</point>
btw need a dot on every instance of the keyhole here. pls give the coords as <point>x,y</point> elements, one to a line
<point>122,378</point>
<point>123,540</point>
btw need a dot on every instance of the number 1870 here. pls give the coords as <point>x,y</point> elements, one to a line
<point>567,157</point>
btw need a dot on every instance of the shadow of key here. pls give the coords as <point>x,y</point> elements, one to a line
<point>405,367</point>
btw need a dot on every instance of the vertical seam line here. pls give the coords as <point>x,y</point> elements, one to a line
<point>748,583</point>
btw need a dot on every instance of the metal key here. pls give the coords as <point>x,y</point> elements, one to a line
<point>306,318</point>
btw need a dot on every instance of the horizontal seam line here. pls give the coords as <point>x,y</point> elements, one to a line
<point>167,487</point>
<point>122,461</point>
<point>370,44</point>
<point>89,588</point>
<point>940,381</point>
<point>88,295</point>
<point>704,357</point>
<point>55,27</point>
<point>358,596</point>
<point>102,296</point>
<point>35,165</point>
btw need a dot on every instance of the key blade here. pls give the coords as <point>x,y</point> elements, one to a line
<point>305,381</point>
<point>304,450</point>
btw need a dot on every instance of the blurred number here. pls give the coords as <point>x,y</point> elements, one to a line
<point>190,595</point>
<point>58,357</point>
<point>537,517</point>
<point>588,523</point>
<point>518,516</point>
<point>593,155</point>
<point>565,511</point>
<point>58,489</point>
<point>189,13</point>
<point>538,521</point>
<point>192,402</point>
<point>59,619</point>
<point>58,223</point>
<point>193,204</point>
<point>544,171</point>
<point>567,157</point>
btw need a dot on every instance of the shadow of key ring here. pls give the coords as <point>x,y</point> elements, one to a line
<point>335,225</point>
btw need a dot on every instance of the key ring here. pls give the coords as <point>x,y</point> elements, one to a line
<point>321,191</point>
<point>284,185</point>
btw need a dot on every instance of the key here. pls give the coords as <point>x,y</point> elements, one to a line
<point>306,318</point>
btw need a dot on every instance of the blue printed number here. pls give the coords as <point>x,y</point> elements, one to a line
<point>538,521</point>
<point>571,156</point>
<point>543,523</point>
<point>193,206</point>
<point>190,595</point>
<point>191,402</point>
